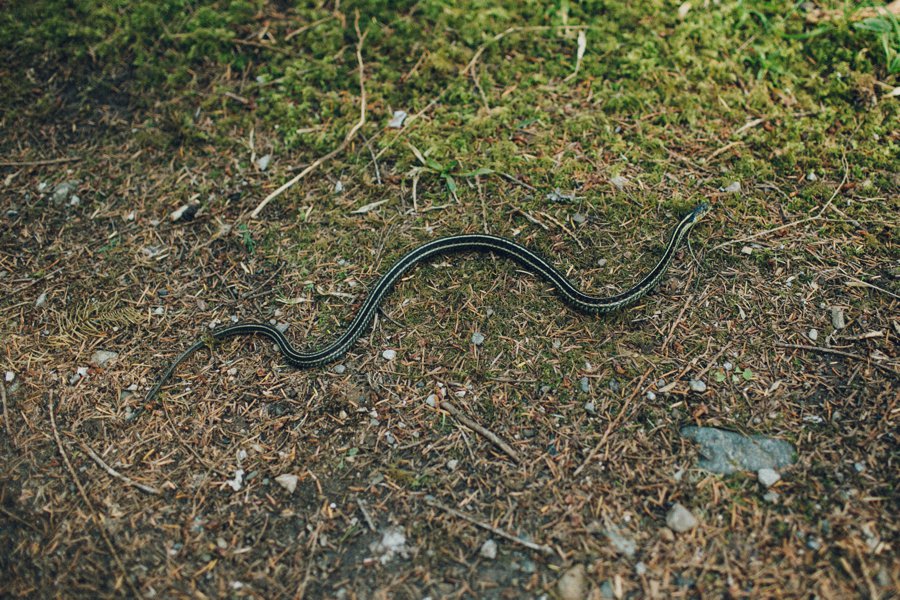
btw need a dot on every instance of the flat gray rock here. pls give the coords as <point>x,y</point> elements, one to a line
<point>725,452</point>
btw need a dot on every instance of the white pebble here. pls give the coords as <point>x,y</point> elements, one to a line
<point>477,338</point>
<point>651,396</point>
<point>768,477</point>
<point>389,354</point>
<point>837,317</point>
<point>697,385</point>
<point>573,585</point>
<point>489,550</point>
<point>680,519</point>
<point>734,187</point>
<point>9,376</point>
<point>619,181</point>
<point>813,334</point>
<point>41,300</point>
<point>339,369</point>
<point>452,464</point>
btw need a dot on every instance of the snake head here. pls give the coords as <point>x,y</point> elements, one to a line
<point>699,211</point>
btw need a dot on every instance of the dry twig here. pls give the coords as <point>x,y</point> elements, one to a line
<point>84,497</point>
<point>485,432</point>
<point>347,139</point>
<point>542,548</point>
<point>38,163</point>
<point>96,457</point>
<point>5,409</point>
<point>823,350</point>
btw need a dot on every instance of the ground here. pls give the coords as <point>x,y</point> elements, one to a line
<point>583,131</point>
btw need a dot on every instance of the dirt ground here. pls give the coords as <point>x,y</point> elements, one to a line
<point>250,479</point>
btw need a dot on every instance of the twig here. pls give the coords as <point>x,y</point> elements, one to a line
<point>37,163</point>
<point>517,181</point>
<point>544,549</point>
<point>815,217</point>
<point>469,67</point>
<point>145,488</point>
<point>613,424</point>
<point>374,159</point>
<point>365,513</point>
<point>103,533</point>
<point>485,432</point>
<point>347,139</point>
<point>823,350</point>
<point>5,409</point>
<point>869,285</point>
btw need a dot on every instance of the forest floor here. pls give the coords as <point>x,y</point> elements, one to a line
<point>138,141</point>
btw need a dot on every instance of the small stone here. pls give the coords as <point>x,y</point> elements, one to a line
<point>431,400</point>
<point>101,357</point>
<point>41,300</point>
<point>837,317</point>
<point>585,384</point>
<point>185,212</point>
<point>159,310</point>
<point>578,218</point>
<point>747,250</point>
<point>859,467</point>
<point>338,187</point>
<point>288,482</point>
<point>452,464</point>
<point>282,327</point>
<point>651,396</point>
<point>666,534</point>
<point>680,519</point>
<point>614,386</point>
<point>640,569</point>
<point>813,334</point>
<point>606,590</point>
<point>9,376</point>
<point>397,119</point>
<point>74,200</point>
<point>771,497</point>
<point>619,181</point>
<point>813,543</point>
<point>727,365</point>
<point>488,550</point>
<point>262,163</point>
<point>477,338</point>
<point>697,385</point>
<point>339,369</point>
<point>590,408</point>
<point>63,191</point>
<point>811,176</point>
<point>573,584</point>
<point>733,188</point>
<point>602,262</point>
<point>768,477</point>
<point>389,354</point>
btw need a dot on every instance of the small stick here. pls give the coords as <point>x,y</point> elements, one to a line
<point>84,497</point>
<point>347,139</point>
<point>365,513</point>
<point>485,432</point>
<point>5,409</point>
<point>612,425</point>
<point>38,163</point>
<point>823,350</point>
<point>547,550</point>
<point>145,488</point>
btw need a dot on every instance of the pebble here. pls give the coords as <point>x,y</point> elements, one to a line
<point>389,354</point>
<point>768,477</point>
<point>811,176</point>
<point>41,300</point>
<point>697,386</point>
<point>573,584</point>
<point>339,369</point>
<point>725,452</point>
<point>262,163</point>
<point>651,396</point>
<point>640,569</point>
<point>397,119</point>
<point>837,317</point>
<point>680,519</point>
<point>488,550</point>
<point>578,218</point>
<point>282,327</point>
<point>747,250</point>
<point>614,386</point>
<point>619,181</point>
<point>602,262</point>
<point>9,376</point>
<point>771,497</point>
<point>813,334</point>
<point>159,310</point>
<point>338,187</point>
<point>63,191</point>
<point>431,400</point>
<point>590,408</point>
<point>392,544</point>
<point>734,187</point>
<point>606,590</point>
<point>101,357</point>
<point>859,467</point>
<point>666,534</point>
<point>452,464</point>
<point>585,384</point>
<point>477,338</point>
<point>288,482</point>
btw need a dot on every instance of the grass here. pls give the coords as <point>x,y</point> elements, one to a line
<point>163,104</point>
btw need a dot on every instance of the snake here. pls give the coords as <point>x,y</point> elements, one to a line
<point>482,243</point>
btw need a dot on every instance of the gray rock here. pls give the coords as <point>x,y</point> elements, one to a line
<point>680,519</point>
<point>431,400</point>
<point>389,354</point>
<point>811,176</point>
<point>619,181</point>
<point>452,464</point>
<point>339,369</point>
<point>573,584</point>
<point>391,545</point>
<point>488,550</point>
<point>768,477</point>
<point>578,218</point>
<point>262,163</point>
<point>288,482</point>
<point>606,591</point>
<point>63,191</point>
<point>651,396</point>
<point>478,338</point>
<point>41,300</point>
<point>725,452</point>
<point>590,408</point>
<point>697,386</point>
<point>101,357</point>
<point>837,317</point>
<point>621,542</point>
<point>771,497</point>
<point>585,384</point>
<point>397,119</point>
<point>813,334</point>
<point>640,569</point>
<point>733,188</point>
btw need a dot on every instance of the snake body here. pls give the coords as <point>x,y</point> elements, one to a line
<point>459,243</point>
